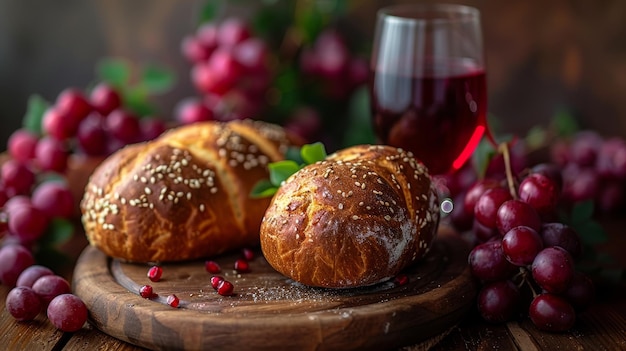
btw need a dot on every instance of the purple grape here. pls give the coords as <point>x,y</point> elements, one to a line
<point>67,312</point>
<point>550,312</point>
<point>515,213</point>
<point>559,234</point>
<point>50,286</point>
<point>487,262</point>
<point>30,275</point>
<point>521,245</point>
<point>14,259</point>
<point>498,301</point>
<point>553,269</point>
<point>23,303</point>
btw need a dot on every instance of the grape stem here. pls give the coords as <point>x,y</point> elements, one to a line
<point>504,149</point>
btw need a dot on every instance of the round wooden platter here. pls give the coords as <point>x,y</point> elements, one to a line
<point>269,311</point>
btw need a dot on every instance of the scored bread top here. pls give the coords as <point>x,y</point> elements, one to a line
<point>183,195</point>
<point>354,219</point>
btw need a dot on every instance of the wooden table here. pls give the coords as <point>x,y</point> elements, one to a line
<point>602,327</point>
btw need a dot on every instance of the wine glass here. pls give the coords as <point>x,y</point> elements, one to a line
<point>427,83</point>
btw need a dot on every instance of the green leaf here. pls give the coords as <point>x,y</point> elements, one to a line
<point>591,232</point>
<point>58,231</point>
<point>136,99</point>
<point>35,110</point>
<point>281,170</point>
<point>263,188</point>
<point>482,156</point>
<point>157,79</point>
<point>312,153</point>
<point>582,212</point>
<point>564,124</point>
<point>114,71</point>
<point>209,11</point>
<point>293,153</point>
<point>361,130</point>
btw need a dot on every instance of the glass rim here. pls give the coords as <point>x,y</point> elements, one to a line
<point>429,12</point>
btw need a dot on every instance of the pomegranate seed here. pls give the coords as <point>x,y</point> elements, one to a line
<point>173,300</point>
<point>225,288</point>
<point>154,273</point>
<point>401,279</point>
<point>212,267</point>
<point>216,280</point>
<point>248,254</point>
<point>146,291</point>
<point>242,266</point>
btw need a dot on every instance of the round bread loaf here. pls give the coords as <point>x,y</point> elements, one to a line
<point>184,195</point>
<point>355,219</point>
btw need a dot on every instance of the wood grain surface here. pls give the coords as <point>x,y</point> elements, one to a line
<point>269,311</point>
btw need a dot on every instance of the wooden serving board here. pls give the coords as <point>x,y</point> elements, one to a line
<point>271,312</point>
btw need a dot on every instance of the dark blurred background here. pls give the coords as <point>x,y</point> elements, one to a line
<point>542,55</point>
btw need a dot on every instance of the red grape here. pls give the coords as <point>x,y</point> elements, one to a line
<point>27,223</point>
<point>50,286</point>
<point>16,177</point>
<point>54,199</point>
<point>92,135</point>
<point>151,128</point>
<point>487,262</point>
<point>192,110</point>
<point>193,49</point>
<point>72,103</point>
<point>207,36</point>
<point>498,301</point>
<point>551,313</point>
<point>67,312</point>
<point>521,245</point>
<point>21,145</point>
<point>551,171</point>
<point>487,206</point>
<point>14,259</point>
<point>611,161</point>
<point>23,303</point>
<point>584,148</point>
<point>104,98</point>
<point>51,155</point>
<point>553,269</point>
<point>580,292</point>
<point>540,192</point>
<point>253,55</point>
<point>475,191</point>
<point>30,275</point>
<point>232,31</point>
<point>559,234</point>
<point>580,184</point>
<point>57,125</point>
<point>515,213</point>
<point>123,125</point>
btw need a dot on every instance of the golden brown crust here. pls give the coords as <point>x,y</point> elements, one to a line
<point>184,195</point>
<point>355,219</point>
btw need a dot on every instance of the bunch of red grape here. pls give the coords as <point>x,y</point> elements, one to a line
<point>36,288</point>
<point>522,255</point>
<point>331,63</point>
<point>35,195</point>
<point>231,69</point>
<point>593,168</point>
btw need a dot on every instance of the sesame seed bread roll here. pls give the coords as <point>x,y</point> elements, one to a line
<point>355,219</point>
<point>184,195</point>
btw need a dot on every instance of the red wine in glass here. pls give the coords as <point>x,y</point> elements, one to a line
<point>427,82</point>
<point>442,117</point>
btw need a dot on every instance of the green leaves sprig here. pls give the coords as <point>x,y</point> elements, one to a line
<point>295,159</point>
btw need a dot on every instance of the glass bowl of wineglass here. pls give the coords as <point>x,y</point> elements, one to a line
<point>427,84</point>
